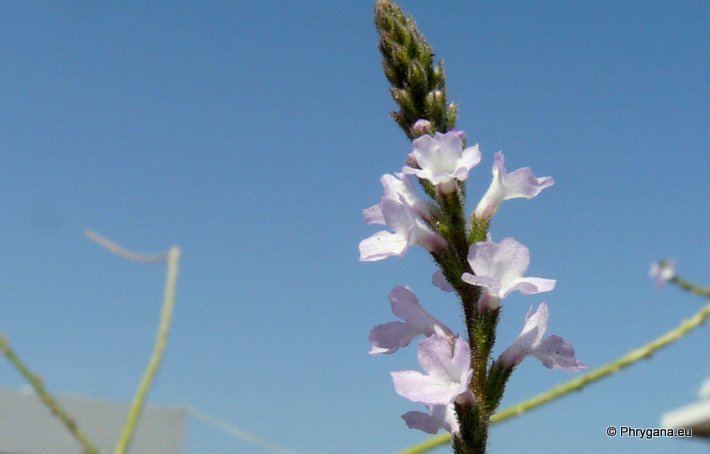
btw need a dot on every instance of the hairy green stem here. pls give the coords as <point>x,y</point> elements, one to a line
<point>47,398</point>
<point>156,358</point>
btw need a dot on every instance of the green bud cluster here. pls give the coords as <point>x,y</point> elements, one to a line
<point>417,85</point>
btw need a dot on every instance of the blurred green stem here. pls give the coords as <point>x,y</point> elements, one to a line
<point>689,287</point>
<point>173,258</point>
<point>46,398</point>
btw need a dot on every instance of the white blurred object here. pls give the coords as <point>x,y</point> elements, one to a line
<point>694,416</point>
<point>704,391</point>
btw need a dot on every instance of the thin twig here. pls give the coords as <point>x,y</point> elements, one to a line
<point>689,287</point>
<point>47,398</point>
<point>123,252</point>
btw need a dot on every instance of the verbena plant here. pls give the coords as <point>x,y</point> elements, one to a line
<point>462,384</point>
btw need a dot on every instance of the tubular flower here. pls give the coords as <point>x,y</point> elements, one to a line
<point>400,188</point>
<point>441,417</point>
<point>499,268</point>
<point>519,184</point>
<point>553,351</point>
<point>408,230</point>
<point>448,373</point>
<point>662,272</point>
<point>442,159</point>
<point>390,337</point>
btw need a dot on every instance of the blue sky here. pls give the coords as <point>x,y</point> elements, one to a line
<point>252,134</point>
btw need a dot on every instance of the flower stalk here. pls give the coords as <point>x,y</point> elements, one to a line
<point>480,272</point>
<point>129,428</point>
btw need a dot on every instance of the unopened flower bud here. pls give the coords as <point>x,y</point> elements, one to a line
<point>421,127</point>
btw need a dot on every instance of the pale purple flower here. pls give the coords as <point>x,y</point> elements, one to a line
<point>553,351</point>
<point>662,272</point>
<point>389,337</point>
<point>441,417</point>
<point>408,230</point>
<point>448,372</point>
<point>442,159</point>
<point>400,188</point>
<point>499,268</point>
<point>438,280</point>
<point>505,186</point>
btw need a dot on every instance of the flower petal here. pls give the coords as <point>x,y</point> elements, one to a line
<point>389,337</point>
<point>441,417</point>
<point>500,268</point>
<point>482,281</point>
<point>426,389</point>
<point>438,280</point>
<point>373,215</point>
<point>521,183</point>
<point>448,374</point>
<point>530,337</point>
<point>556,353</point>
<point>406,306</point>
<point>529,286</point>
<point>382,245</point>
<point>422,421</point>
<point>553,351</point>
<point>470,158</point>
<point>441,159</point>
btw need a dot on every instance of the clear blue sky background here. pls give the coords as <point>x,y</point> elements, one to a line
<point>252,134</point>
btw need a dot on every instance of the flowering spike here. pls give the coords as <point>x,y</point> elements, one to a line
<point>408,63</point>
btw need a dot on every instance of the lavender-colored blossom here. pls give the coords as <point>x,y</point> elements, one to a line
<point>553,351</point>
<point>505,186</point>
<point>441,417</point>
<point>662,272</point>
<point>448,372</point>
<point>442,159</point>
<point>408,230</point>
<point>389,337</point>
<point>499,268</point>
<point>400,188</point>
